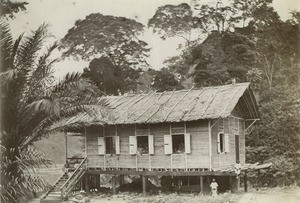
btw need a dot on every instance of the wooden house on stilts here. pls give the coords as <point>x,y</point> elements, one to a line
<point>189,136</point>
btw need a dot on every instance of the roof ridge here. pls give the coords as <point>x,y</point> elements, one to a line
<point>175,91</point>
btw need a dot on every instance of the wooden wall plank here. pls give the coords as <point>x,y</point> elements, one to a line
<point>198,158</point>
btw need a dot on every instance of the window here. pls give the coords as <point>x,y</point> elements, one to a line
<point>178,144</point>
<point>110,145</point>
<point>223,142</point>
<point>143,144</point>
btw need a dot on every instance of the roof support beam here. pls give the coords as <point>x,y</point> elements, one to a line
<point>253,121</point>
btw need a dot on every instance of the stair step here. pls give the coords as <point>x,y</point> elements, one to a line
<point>51,200</point>
<point>54,192</point>
<point>53,197</point>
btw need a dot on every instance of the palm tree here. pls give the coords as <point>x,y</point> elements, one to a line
<point>31,101</point>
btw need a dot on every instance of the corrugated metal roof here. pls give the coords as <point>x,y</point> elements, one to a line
<point>176,106</point>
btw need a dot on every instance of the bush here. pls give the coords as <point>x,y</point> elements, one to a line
<point>284,171</point>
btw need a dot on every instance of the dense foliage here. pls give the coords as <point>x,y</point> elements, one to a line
<point>110,78</point>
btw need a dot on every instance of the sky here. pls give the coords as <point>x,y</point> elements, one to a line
<point>62,14</point>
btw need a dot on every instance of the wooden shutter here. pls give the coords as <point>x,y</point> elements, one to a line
<point>132,145</point>
<point>187,143</point>
<point>168,144</point>
<point>151,144</point>
<point>218,137</point>
<point>101,145</point>
<point>226,140</point>
<point>117,139</point>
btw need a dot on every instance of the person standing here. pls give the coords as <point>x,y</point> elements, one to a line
<point>214,188</point>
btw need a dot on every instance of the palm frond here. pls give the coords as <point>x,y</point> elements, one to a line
<point>40,77</point>
<point>32,44</point>
<point>6,44</point>
<point>14,50</point>
<point>6,38</point>
<point>46,105</point>
<point>43,68</point>
<point>6,77</point>
<point>26,57</point>
<point>32,159</point>
<point>70,81</point>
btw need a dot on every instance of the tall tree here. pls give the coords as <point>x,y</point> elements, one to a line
<point>174,21</point>
<point>31,101</point>
<point>9,8</point>
<point>115,37</point>
<point>216,18</point>
<point>111,79</point>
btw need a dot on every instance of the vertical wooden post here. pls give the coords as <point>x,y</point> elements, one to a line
<point>114,185</point>
<point>66,139</point>
<point>98,181</point>
<point>144,180</point>
<point>230,184</point>
<point>235,182</point>
<point>245,182</point>
<point>209,144</point>
<point>201,184</point>
<point>86,183</point>
<point>121,179</point>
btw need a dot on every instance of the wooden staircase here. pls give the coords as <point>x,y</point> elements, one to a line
<point>64,185</point>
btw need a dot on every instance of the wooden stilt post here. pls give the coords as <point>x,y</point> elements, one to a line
<point>235,183</point>
<point>66,139</point>
<point>114,185</point>
<point>230,184</point>
<point>99,182</point>
<point>121,179</point>
<point>86,183</point>
<point>201,184</point>
<point>144,179</point>
<point>245,182</point>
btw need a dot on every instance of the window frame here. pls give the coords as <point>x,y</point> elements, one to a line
<point>221,150</point>
<point>114,142</point>
<point>137,145</point>
<point>176,134</point>
<point>145,127</point>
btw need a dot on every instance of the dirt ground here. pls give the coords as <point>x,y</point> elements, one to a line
<point>273,195</point>
<point>267,195</point>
